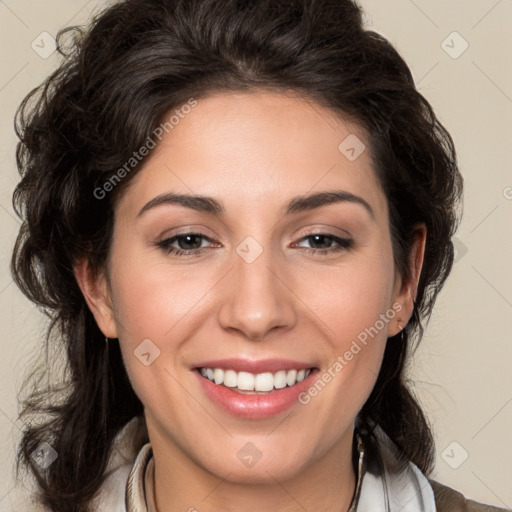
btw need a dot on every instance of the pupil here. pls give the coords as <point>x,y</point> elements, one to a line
<point>187,238</point>
<point>321,237</point>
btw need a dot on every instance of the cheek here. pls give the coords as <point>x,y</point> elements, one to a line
<point>150,295</point>
<point>356,326</point>
<point>350,298</point>
<point>152,316</point>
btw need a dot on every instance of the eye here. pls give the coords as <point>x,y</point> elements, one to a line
<point>327,239</point>
<point>184,241</point>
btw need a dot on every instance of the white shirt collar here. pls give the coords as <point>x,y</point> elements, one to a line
<point>385,490</point>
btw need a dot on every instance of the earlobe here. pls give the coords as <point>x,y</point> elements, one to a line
<point>96,293</point>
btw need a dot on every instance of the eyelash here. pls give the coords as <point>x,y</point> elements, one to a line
<point>165,245</point>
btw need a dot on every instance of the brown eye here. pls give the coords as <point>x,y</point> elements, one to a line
<point>188,244</point>
<point>324,239</point>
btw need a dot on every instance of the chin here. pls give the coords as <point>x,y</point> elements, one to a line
<point>266,470</point>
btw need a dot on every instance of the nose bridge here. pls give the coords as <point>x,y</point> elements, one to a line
<point>257,300</point>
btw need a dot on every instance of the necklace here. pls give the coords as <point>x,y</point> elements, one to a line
<point>149,477</point>
<point>360,472</point>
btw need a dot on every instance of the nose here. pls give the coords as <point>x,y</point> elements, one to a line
<point>257,298</point>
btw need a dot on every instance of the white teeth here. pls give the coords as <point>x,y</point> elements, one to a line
<point>280,379</point>
<point>218,375</point>
<point>264,382</point>
<point>230,379</point>
<point>246,381</point>
<point>291,377</point>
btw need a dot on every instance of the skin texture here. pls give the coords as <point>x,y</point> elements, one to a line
<point>253,152</point>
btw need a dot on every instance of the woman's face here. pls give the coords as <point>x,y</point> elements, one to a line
<point>247,286</point>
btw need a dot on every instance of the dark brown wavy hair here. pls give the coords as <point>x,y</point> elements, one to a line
<point>118,78</point>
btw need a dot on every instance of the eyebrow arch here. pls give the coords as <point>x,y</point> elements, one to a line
<point>296,205</point>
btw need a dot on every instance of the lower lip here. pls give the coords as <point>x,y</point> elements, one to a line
<point>255,406</point>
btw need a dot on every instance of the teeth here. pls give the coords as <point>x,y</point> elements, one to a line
<point>218,375</point>
<point>246,381</point>
<point>230,379</point>
<point>291,377</point>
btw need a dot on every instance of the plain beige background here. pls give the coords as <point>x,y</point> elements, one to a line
<point>462,369</point>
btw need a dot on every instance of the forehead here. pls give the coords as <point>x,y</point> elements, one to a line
<point>257,149</point>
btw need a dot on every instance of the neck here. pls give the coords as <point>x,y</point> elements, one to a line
<point>175,483</point>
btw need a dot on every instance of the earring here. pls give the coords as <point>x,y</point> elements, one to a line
<point>400,326</point>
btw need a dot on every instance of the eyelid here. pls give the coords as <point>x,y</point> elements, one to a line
<point>321,230</point>
<point>186,229</point>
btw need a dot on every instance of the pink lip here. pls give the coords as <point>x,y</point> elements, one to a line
<point>261,366</point>
<point>254,406</point>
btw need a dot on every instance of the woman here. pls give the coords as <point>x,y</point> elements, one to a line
<point>261,367</point>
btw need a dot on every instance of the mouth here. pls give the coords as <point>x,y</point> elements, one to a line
<point>249,383</point>
<point>254,394</point>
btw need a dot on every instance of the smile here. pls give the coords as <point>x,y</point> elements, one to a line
<point>254,395</point>
<point>249,383</point>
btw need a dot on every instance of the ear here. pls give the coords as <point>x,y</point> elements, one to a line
<point>97,294</point>
<point>405,292</point>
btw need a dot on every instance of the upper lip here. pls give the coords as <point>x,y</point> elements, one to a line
<point>254,366</point>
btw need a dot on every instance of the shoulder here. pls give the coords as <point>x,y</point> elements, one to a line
<point>407,488</point>
<point>111,497</point>
<point>451,500</point>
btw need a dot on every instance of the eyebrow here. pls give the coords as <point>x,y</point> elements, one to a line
<point>296,205</point>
